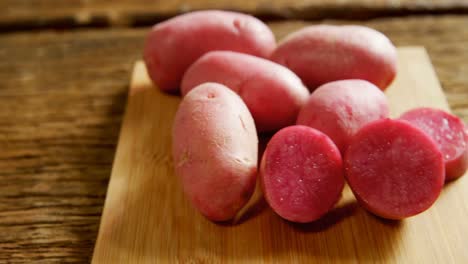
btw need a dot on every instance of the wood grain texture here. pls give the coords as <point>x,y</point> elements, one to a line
<point>62,96</point>
<point>18,14</point>
<point>147,219</point>
<point>61,102</point>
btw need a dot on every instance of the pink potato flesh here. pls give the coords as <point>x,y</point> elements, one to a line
<point>339,109</point>
<point>214,149</point>
<point>273,93</point>
<point>172,46</point>
<point>325,53</point>
<point>394,169</point>
<point>448,131</point>
<point>302,174</point>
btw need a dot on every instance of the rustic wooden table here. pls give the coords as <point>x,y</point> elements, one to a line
<point>64,74</point>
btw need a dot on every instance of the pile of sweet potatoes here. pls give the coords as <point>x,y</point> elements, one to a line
<point>321,90</point>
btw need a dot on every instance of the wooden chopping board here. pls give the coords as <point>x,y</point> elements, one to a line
<point>147,219</point>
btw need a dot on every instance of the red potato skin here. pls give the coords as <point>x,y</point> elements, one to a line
<point>340,108</point>
<point>172,46</point>
<point>448,131</point>
<point>215,149</point>
<point>302,174</point>
<point>326,53</point>
<point>273,93</point>
<point>394,169</point>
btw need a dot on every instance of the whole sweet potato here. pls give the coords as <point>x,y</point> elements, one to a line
<point>273,93</point>
<point>172,46</point>
<point>339,109</point>
<point>215,150</point>
<point>325,53</point>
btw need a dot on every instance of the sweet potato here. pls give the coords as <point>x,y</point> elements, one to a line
<point>448,131</point>
<point>273,93</point>
<point>340,108</point>
<point>302,174</point>
<point>394,169</point>
<point>215,150</point>
<point>172,46</point>
<point>325,53</point>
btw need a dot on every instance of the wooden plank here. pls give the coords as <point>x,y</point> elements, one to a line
<point>52,13</point>
<point>146,217</point>
<point>62,96</point>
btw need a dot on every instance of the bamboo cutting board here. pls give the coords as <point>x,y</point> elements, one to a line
<point>147,219</point>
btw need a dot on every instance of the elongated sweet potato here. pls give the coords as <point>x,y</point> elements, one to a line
<point>215,150</point>
<point>325,53</point>
<point>172,46</point>
<point>273,93</point>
